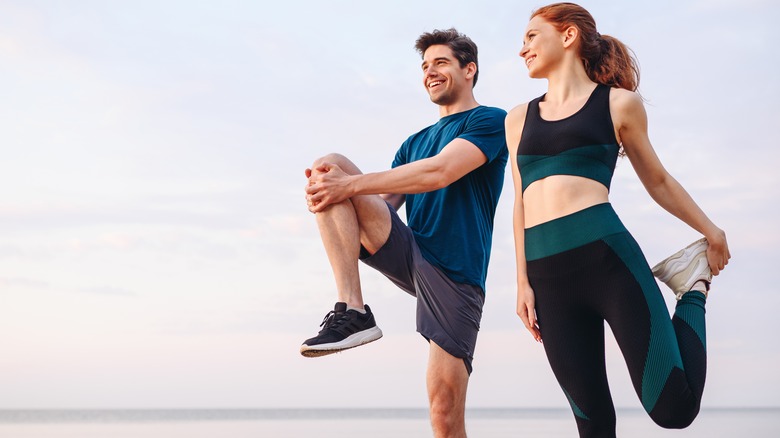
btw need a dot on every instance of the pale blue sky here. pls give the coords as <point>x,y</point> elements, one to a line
<point>156,250</point>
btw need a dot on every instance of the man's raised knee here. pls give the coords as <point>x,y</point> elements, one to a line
<point>335,158</point>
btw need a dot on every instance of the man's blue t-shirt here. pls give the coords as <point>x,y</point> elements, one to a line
<point>453,226</point>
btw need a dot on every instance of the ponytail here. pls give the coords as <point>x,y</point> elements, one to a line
<point>614,64</point>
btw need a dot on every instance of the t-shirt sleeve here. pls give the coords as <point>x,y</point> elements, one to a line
<point>401,155</point>
<point>485,130</point>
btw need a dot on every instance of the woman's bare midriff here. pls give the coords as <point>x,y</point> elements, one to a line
<point>560,195</point>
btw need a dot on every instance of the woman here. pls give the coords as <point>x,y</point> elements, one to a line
<point>577,266</point>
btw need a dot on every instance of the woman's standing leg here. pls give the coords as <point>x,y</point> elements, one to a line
<point>573,338</point>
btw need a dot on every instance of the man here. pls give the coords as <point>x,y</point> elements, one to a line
<point>450,175</point>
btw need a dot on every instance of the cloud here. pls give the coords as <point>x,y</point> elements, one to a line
<point>109,290</point>
<point>21,283</point>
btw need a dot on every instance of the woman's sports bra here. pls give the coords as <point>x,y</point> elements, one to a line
<point>582,144</point>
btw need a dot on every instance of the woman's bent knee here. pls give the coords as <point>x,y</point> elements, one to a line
<point>675,417</point>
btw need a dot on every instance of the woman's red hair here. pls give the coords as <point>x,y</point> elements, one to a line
<point>607,60</point>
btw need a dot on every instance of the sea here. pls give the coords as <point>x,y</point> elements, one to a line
<point>375,423</point>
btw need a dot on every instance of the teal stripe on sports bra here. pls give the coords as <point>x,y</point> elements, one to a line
<point>594,162</point>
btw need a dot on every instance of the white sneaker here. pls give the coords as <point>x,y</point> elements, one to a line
<point>683,269</point>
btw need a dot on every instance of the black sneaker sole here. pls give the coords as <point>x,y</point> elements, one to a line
<point>356,340</point>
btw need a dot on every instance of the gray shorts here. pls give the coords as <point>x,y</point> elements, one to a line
<point>448,312</point>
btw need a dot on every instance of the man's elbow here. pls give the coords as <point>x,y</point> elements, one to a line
<point>440,179</point>
<point>442,173</point>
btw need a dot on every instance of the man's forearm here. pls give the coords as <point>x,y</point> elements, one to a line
<point>417,177</point>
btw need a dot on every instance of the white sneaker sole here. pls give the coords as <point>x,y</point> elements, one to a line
<point>687,263</point>
<point>678,261</point>
<point>352,341</point>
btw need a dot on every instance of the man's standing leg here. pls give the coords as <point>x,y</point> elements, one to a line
<point>447,383</point>
<point>343,227</point>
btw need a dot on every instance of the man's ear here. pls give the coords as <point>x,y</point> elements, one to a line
<point>471,69</point>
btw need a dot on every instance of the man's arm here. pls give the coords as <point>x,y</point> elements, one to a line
<point>331,185</point>
<point>396,200</point>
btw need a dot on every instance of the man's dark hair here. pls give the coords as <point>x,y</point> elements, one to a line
<point>462,47</point>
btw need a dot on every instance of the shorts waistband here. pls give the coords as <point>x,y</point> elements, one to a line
<point>572,231</point>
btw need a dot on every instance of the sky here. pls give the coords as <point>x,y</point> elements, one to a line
<point>155,246</point>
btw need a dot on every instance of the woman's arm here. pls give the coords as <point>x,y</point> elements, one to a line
<point>630,121</point>
<point>514,122</point>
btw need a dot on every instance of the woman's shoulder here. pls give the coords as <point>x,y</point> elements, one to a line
<point>624,99</point>
<point>517,114</point>
<point>513,124</point>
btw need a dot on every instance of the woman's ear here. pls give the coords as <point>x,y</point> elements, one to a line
<point>570,35</point>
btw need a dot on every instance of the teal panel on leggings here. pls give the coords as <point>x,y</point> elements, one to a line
<point>576,409</point>
<point>691,309</point>
<point>663,353</point>
<point>571,231</point>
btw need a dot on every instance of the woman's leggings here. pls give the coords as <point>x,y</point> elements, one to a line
<point>585,268</point>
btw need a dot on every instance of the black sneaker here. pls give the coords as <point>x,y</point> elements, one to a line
<point>342,329</point>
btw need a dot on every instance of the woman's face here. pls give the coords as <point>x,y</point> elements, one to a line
<point>542,47</point>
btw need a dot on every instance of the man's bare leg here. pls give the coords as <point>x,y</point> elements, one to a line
<point>341,238</point>
<point>343,227</point>
<point>447,383</point>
